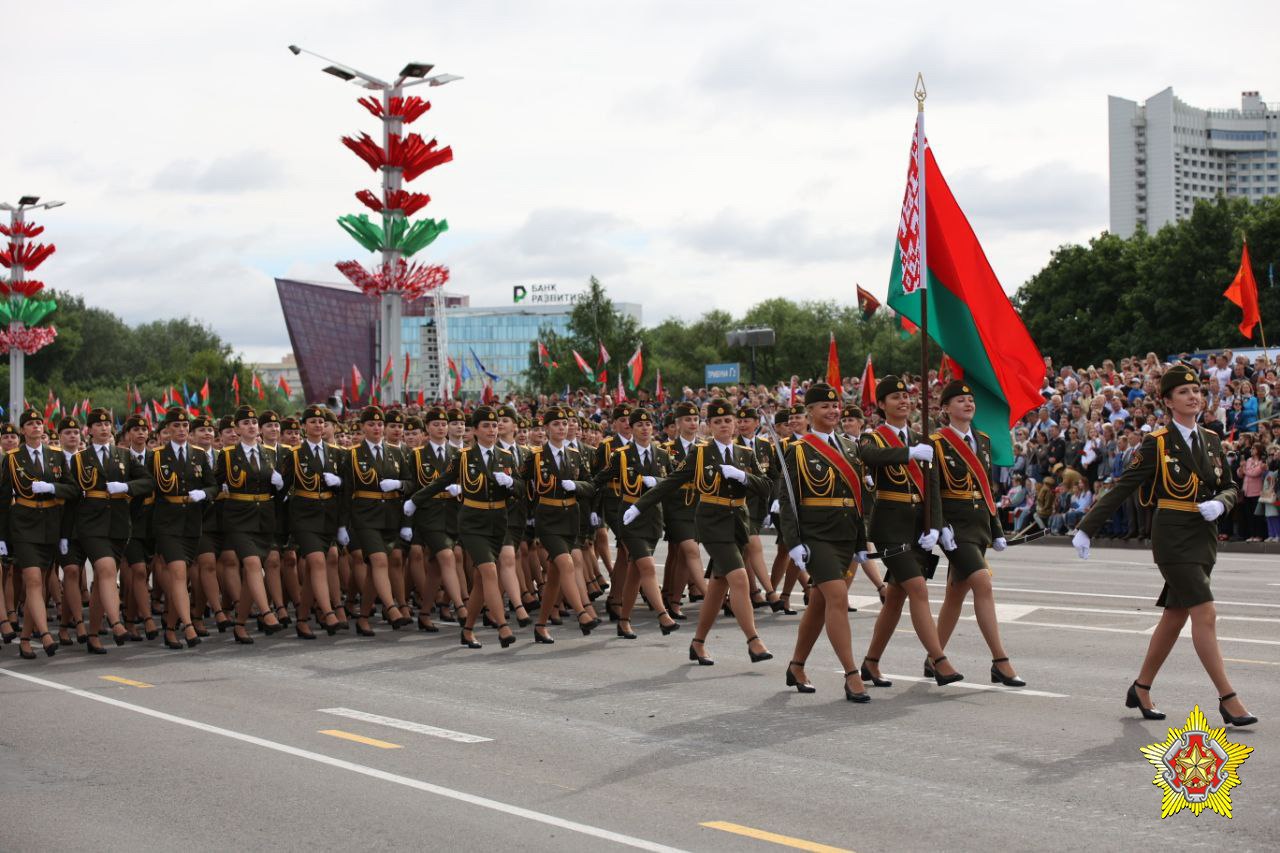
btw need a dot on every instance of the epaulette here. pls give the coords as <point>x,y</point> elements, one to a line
<point>1155,433</point>
<point>935,436</point>
<point>983,434</point>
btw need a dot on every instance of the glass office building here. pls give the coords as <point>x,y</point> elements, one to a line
<point>333,327</point>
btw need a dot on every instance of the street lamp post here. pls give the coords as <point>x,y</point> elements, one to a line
<point>391,302</point>
<point>762,336</point>
<point>17,274</point>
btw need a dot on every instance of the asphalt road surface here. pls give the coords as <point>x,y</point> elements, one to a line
<point>408,740</point>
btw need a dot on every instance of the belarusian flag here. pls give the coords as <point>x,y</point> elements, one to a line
<point>257,386</point>
<point>357,382</point>
<point>283,385</point>
<point>204,393</point>
<point>584,367</point>
<point>388,372</point>
<point>235,386</point>
<point>455,375</point>
<point>833,365</point>
<point>621,395</point>
<point>544,356</point>
<point>635,366</point>
<point>969,314</point>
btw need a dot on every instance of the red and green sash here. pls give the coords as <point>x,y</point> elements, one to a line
<point>837,460</point>
<point>975,467</point>
<point>890,437</point>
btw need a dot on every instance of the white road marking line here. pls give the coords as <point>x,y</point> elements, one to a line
<point>1146,631</point>
<point>974,685</point>
<point>417,784</point>
<point>406,725</point>
<point>1150,598</point>
<point>1149,612</point>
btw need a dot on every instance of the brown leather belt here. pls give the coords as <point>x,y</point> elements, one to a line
<point>899,497</point>
<point>719,501</point>
<point>559,501</point>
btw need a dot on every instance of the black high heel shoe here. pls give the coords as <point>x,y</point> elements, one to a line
<point>174,644</point>
<point>861,698</point>
<point>121,638</point>
<point>702,661</point>
<point>540,635</point>
<point>792,681</point>
<point>270,629</point>
<point>328,628</point>
<point>191,642</point>
<point>283,620</point>
<point>1131,700</point>
<point>928,667</point>
<point>429,627</point>
<point>94,646</point>
<point>944,680</point>
<point>28,653</point>
<point>154,632</point>
<point>224,623</point>
<point>508,640</point>
<point>302,634</point>
<point>246,640</point>
<point>667,629</point>
<point>9,636</point>
<point>587,627</point>
<point>471,644</point>
<point>998,677</point>
<point>876,681</point>
<point>757,658</point>
<point>778,605</point>
<point>614,611</point>
<point>627,634</point>
<point>364,632</point>
<point>1246,720</point>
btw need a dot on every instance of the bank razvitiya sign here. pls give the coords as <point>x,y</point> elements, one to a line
<point>544,294</point>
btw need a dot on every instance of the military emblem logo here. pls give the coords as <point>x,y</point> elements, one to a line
<point>1196,767</point>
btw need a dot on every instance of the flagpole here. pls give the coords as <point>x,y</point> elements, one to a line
<point>921,94</point>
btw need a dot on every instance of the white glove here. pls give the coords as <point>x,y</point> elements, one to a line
<point>116,487</point>
<point>948,538</point>
<point>1210,510</point>
<point>1081,543</point>
<point>196,495</point>
<point>733,472</point>
<point>40,487</point>
<point>595,519</point>
<point>928,540</point>
<point>4,548</point>
<point>800,556</point>
<point>406,533</point>
<point>649,481</point>
<point>503,479</point>
<point>389,485</point>
<point>410,508</point>
<point>343,538</point>
<point>225,490</point>
<point>277,480</point>
<point>921,453</point>
<point>453,489</point>
<point>775,508</point>
<point>630,515</point>
<point>870,481</point>
<point>861,556</point>
<point>1000,544</point>
<point>332,480</point>
<point>569,485</point>
<point>62,546</point>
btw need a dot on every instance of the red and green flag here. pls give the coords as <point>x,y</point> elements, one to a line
<point>357,382</point>
<point>454,375</point>
<point>659,393</point>
<point>635,368</point>
<point>257,386</point>
<point>235,387</point>
<point>544,356</point>
<point>283,385</point>
<point>388,373</point>
<point>938,257</point>
<point>204,393</point>
<point>584,367</point>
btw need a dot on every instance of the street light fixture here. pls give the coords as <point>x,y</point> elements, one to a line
<point>17,274</point>
<point>760,336</point>
<point>390,303</point>
<point>28,200</point>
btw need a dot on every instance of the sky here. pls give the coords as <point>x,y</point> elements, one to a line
<point>692,155</point>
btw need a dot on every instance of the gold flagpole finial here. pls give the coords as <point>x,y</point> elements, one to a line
<point>921,92</point>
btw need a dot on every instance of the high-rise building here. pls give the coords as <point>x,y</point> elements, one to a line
<point>1166,155</point>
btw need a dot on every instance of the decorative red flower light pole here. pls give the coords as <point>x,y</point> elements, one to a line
<point>400,159</point>
<point>20,309</point>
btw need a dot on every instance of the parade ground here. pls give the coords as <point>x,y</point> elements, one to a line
<point>408,740</point>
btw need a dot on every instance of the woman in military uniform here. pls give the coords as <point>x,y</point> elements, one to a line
<point>9,441</point>
<point>757,510</point>
<point>206,588</point>
<point>723,475</point>
<point>36,483</point>
<point>183,480</point>
<point>309,470</point>
<point>1181,471</point>
<point>971,524</point>
<point>823,532</point>
<point>514,550</point>
<point>683,567</point>
<point>107,476</point>
<point>608,509</point>
<point>247,470</point>
<point>637,468</point>
<point>484,476</point>
<point>431,557</point>
<point>894,452</point>
<point>70,556</point>
<point>558,481</point>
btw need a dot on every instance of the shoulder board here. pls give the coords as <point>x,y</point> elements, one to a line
<point>935,436</point>
<point>983,434</point>
<point>1155,433</point>
<point>332,446</point>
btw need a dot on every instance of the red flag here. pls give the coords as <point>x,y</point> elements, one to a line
<point>635,365</point>
<point>257,386</point>
<point>584,367</point>
<point>457,376</point>
<point>1244,292</point>
<point>868,383</point>
<point>604,355</point>
<point>544,356</point>
<point>791,400</point>
<point>283,384</point>
<point>235,386</point>
<point>357,383</point>
<point>660,393</point>
<point>867,303</point>
<point>422,398</point>
<point>622,395</point>
<point>204,393</point>
<point>907,326</point>
<point>949,370</point>
<point>406,368</point>
<point>833,364</point>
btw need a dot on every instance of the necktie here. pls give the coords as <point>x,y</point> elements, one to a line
<point>833,441</point>
<point>377,455</point>
<point>902,434</point>
<point>968,439</point>
<point>644,460</point>
<point>182,457</point>
<point>555,454</point>
<point>37,457</point>
<point>440,455</point>
<point>102,457</point>
<point>253,459</point>
<point>318,450</point>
